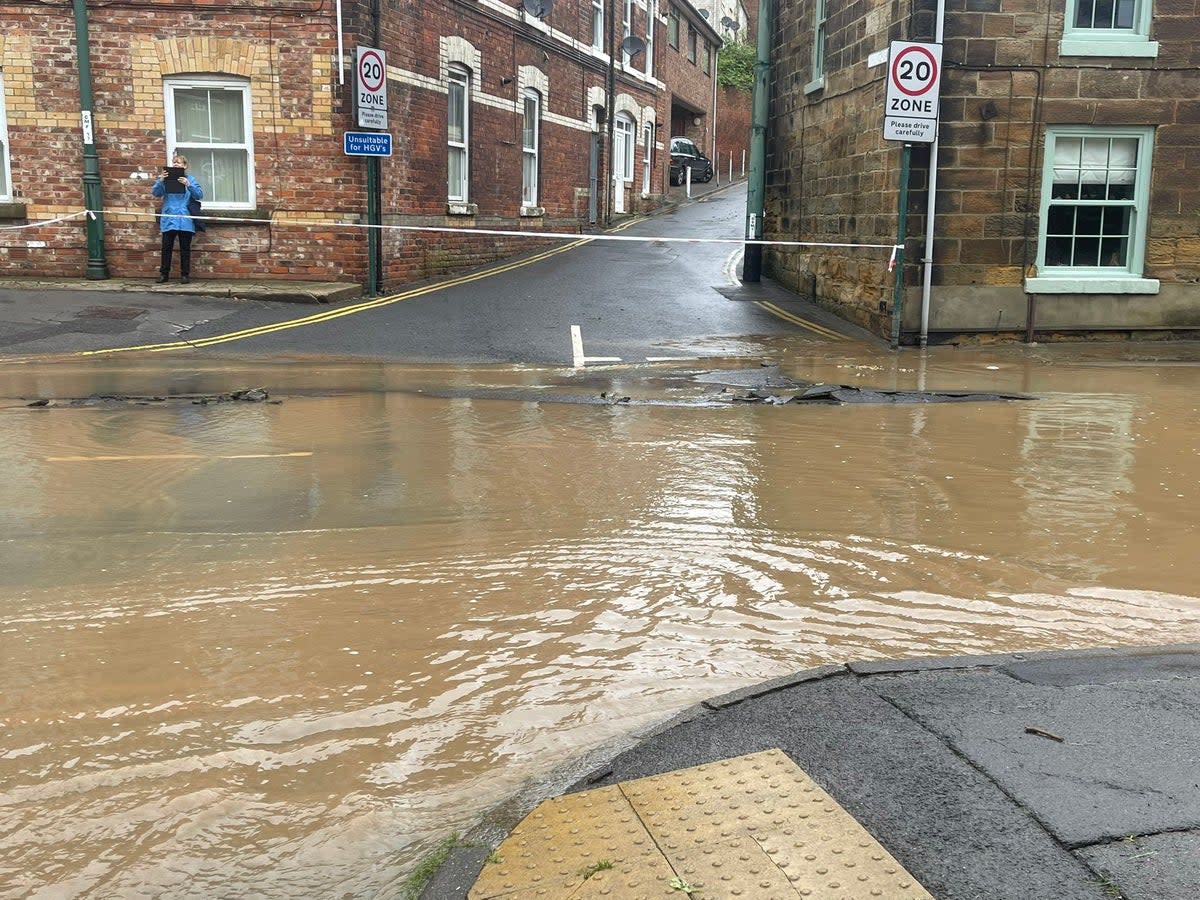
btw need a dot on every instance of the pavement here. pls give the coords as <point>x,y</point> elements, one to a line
<point>1059,775</point>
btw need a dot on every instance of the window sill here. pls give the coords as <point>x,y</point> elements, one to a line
<point>1077,47</point>
<point>815,85</point>
<point>230,217</point>
<point>532,212</point>
<point>1127,284</point>
<point>10,210</point>
<point>459,208</point>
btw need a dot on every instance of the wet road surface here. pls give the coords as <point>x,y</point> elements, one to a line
<point>282,649</point>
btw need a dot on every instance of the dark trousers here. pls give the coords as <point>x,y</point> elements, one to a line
<point>185,252</point>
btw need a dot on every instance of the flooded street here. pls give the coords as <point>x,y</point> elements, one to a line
<point>281,650</point>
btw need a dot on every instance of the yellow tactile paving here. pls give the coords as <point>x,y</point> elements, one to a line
<point>752,827</point>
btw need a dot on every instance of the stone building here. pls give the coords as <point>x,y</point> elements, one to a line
<point>505,115</point>
<point>1067,176</point>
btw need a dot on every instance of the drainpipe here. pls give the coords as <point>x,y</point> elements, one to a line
<point>931,200</point>
<point>716,153</point>
<point>341,41</point>
<point>610,113</point>
<point>901,238</point>
<point>97,268</point>
<point>756,183</point>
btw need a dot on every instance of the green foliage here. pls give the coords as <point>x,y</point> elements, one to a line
<point>425,869</point>
<point>735,66</point>
<point>603,866</point>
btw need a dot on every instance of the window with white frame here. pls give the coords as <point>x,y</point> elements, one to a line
<point>209,122</point>
<point>626,27</point>
<point>5,164</point>
<point>1095,199</point>
<point>598,24</point>
<point>458,134</point>
<point>818,48</point>
<point>647,153</point>
<point>623,140</point>
<point>530,138</point>
<point>1108,28</point>
<point>651,19</point>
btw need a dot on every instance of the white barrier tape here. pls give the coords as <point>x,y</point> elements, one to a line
<point>74,215</point>
<point>549,235</point>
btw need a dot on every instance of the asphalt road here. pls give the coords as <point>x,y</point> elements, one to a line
<point>631,299</point>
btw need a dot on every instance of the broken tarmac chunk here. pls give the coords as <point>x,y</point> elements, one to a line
<point>841,393</point>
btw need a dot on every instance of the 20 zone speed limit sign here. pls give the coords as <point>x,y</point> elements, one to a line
<point>914,74</point>
<point>370,87</point>
<point>914,71</point>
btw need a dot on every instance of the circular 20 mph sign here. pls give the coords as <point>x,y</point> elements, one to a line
<point>371,70</point>
<point>914,72</point>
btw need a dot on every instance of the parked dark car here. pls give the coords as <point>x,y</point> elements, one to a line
<point>686,155</point>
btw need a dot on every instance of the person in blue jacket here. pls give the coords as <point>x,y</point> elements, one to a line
<point>175,221</point>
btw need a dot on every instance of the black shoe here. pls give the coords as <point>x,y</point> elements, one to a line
<point>185,280</point>
<point>160,279</point>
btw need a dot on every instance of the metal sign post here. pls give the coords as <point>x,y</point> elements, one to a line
<point>910,115</point>
<point>370,111</point>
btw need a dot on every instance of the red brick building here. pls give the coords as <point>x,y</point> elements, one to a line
<point>504,116</point>
<point>691,75</point>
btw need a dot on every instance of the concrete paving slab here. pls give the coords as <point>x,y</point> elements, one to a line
<point>1127,763</point>
<point>1158,867</point>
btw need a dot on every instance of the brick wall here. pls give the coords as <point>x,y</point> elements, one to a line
<point>690,86</point>
<point>310,197</point>
<point>734,109</point>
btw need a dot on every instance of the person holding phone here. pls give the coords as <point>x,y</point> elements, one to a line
<point>177,189</point>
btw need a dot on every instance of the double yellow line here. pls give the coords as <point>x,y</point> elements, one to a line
<point>803,323</point>
<point>329,315</point>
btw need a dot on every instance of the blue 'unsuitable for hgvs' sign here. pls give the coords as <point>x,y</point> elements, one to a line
<point>367,143</point>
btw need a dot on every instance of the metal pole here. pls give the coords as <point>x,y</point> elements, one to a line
<point>97,267</point>
<point>931,202</point>
<point>374,231</point>
<point>374,190</point>
<point>756,188</point>
<point>901,237</point>
<point>610,110</point>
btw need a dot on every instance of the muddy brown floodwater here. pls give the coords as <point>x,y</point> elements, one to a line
<point>282,650</point>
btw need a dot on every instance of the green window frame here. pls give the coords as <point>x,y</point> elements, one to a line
<point>1108,28</point>
<point>1094,208</point>
<point>673,28</point>
<point>818,48</point>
